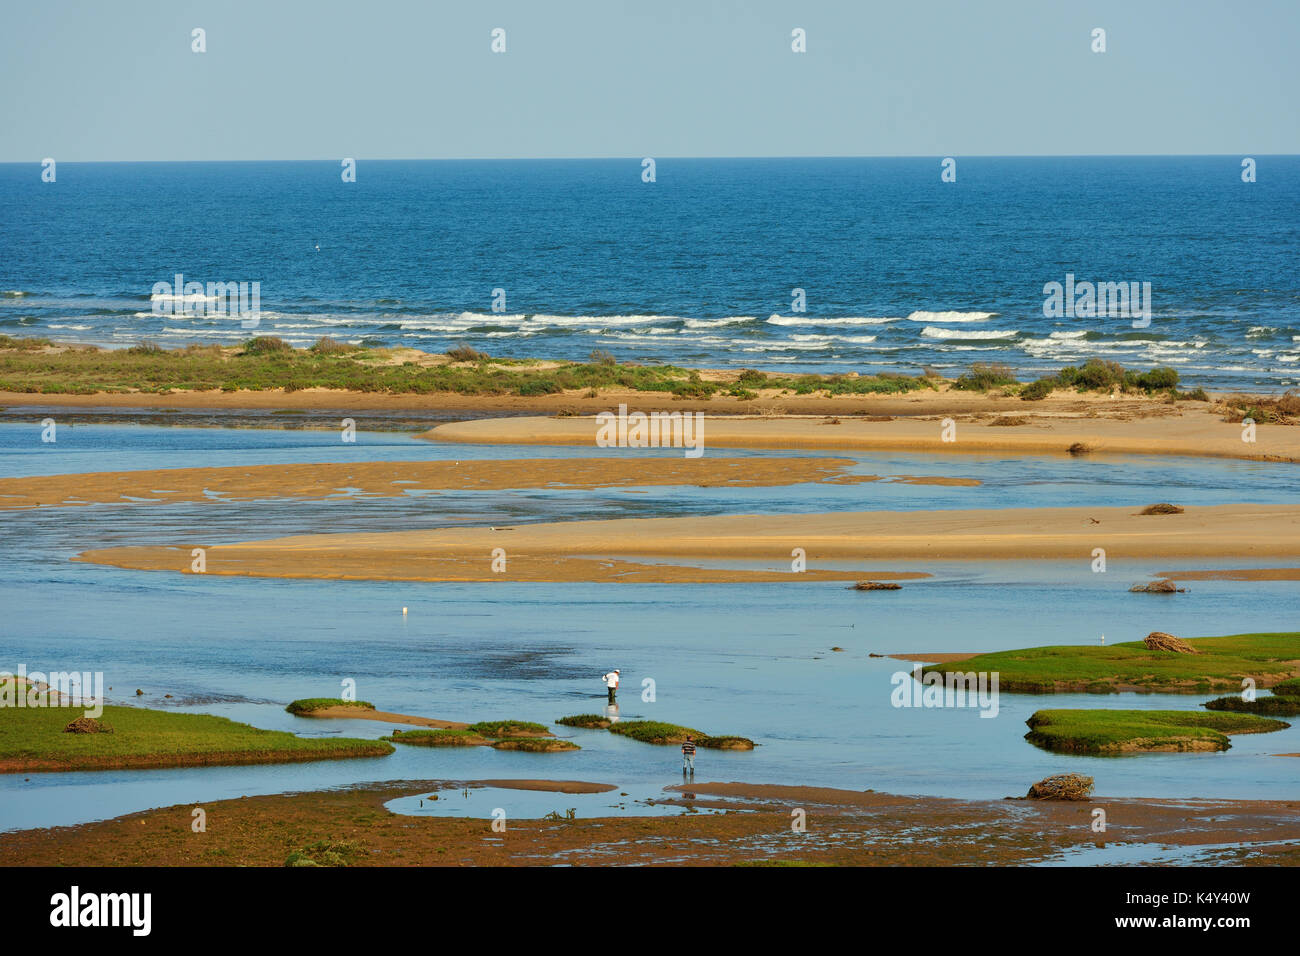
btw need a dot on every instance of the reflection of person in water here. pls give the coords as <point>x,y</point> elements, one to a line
<point>611,682</point>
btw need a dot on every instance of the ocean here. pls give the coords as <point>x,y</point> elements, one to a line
<point>554,259</point>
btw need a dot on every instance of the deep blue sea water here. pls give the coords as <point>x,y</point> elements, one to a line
<point>899,269</point>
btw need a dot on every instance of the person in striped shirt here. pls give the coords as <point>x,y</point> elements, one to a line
<point>688,755</point>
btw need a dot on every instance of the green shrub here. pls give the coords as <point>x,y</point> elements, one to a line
<point>329,346</point>
<point>463,353</point>
<point>1037,391</point>
<point>1158,378</point>
<point>983,376</point>
<point>267,345</point>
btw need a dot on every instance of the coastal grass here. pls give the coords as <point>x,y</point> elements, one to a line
<point>1288,688</point>
<point>439,738</point>
<point>1221,665</point>
<point>32,740</point>
<point>509,728</point>
<point>309,705</point>
<point>659,732</point>
<point>1113,732</point>
<point>500,735</point>
<point>1276,706</point>
<point>535,745</point>
<point>586,721</point>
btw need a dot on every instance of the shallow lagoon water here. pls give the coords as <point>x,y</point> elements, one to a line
<point>750,659</point>
<point>486,802</point>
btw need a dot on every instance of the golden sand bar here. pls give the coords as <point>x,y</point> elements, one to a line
<point>1234,574</point>
<point>395,478</point>
<point>607,550</point>
<point>1192,433</point>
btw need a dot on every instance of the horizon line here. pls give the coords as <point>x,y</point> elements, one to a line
<point>612,158</point>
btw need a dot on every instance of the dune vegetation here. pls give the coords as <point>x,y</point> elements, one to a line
<point>268,362</point>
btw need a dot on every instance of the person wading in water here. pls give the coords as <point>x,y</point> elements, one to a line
<point>688,755</point>
<point>611,682</point>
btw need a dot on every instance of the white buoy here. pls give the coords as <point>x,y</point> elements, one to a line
<point>404,615</point>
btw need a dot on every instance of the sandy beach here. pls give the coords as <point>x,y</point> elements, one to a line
<point>582,550</point>
<point>1187,429</point>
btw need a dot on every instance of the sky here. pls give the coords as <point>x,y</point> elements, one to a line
<point>411,79</point>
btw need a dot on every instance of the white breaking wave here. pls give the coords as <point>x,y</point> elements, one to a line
<point>718,323</point>
<point>856,339</point>
<point>74,328</point>
<point>1288,358</point>
<point>1067,335</point>
<point>934,332</point>
<point>787,346</point>
<point>567,321</point>
<point>172,297</point>
<point>200,314</point>
<point>950,316</point>
<point>847,320</point>
<point>490,318</point>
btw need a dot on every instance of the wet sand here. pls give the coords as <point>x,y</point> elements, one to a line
<point>396,478</point>
<point>843,828</point>
<point>1234,574</point>
<point>1190,429</point>
<point>361,713</point>
<point>607,550</point>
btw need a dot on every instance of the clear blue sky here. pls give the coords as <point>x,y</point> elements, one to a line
<point>321,79</point>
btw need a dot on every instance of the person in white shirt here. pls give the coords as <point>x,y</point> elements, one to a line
<point>611,683</point>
